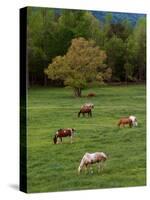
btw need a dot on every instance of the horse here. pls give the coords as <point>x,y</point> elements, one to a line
<point>84,110</point>
<point>64,133</point>
<point>124,121</point>
<point>91,94</point>
<point>134,120</point>
<point>92,158</point>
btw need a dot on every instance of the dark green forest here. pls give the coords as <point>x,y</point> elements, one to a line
<point>51,34</point>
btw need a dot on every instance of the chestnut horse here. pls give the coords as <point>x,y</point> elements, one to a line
<point>91,158</point>
<point>63,133</point>
<point>85,109</point>
<point>91,94</point>
<point>124,121</point>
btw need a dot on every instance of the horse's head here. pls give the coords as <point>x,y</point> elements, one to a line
<point>79,170</point>
<point>91,105</point>
<point>55,139</point>
<point>73,129</point>
<point>135,123</point>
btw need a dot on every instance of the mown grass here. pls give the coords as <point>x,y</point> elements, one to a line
<point>54,167</point>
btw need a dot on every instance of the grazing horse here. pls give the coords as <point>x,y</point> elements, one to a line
<point>124,121</point>
<point>134,120</point>
<point>91,95</point>
<point>91,158</point>
<point>84,110</point>
<point>63,133</point>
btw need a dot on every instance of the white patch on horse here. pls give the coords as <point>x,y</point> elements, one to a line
<point>134,120</point>
<point>90,105</point>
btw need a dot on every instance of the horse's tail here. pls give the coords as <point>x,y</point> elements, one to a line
<point>55,139</point>
<point>79,113</point>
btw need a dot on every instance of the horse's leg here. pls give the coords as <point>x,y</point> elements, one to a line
<point>61,139</point>
<point>86,169</point>
<point>91,169</point>
<point>91,113</point>
<point>79,113</point>
<point>58,140</point>
<point>99,167</point>
<point>102,164</point>
<point>130,125</point>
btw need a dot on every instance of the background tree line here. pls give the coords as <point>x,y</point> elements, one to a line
<point>51,31</point>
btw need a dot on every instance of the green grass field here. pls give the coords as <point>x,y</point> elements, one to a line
<point>54,167</point>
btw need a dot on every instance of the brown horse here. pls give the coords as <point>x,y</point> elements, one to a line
<point>124,121</point>
<point>84,110</point>
<point>63,133</point>
<point>91,95</point>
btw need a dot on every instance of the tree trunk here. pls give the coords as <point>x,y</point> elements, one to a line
<point>45,80</point>
<point>140,74</point>
<point>77,92</point>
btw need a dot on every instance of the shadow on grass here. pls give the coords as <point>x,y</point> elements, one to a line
<point>14,186</point>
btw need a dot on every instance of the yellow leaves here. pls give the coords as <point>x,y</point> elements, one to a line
<point>80,64</point>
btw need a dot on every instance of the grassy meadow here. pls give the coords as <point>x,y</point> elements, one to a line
<point>54,167</point>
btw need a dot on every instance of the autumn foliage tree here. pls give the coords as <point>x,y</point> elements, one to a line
<point>82,64</point>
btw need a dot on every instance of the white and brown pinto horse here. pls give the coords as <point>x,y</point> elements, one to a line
<point>92,158</point>
<point>134,120</point>
<point>86,108</point>
<point>68,132</point>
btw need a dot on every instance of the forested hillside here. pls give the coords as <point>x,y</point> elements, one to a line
<point>121,36</point>
<point>118,16</point>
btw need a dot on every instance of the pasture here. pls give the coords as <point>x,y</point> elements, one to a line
<point>54,167</point>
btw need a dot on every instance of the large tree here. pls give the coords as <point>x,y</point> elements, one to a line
<point>82,64</point>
